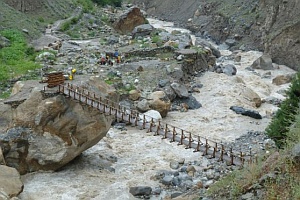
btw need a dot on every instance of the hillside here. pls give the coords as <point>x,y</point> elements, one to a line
<point>267,25</point>
<point>33,15</point>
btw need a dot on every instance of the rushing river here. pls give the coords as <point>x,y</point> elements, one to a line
<point>125,159</point>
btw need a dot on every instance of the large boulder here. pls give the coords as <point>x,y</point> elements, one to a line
<point>283,79</point>
<point>5,116</point>
<point>49,132</point>
<point>264,62</point>
<point>142,30</point>
<point>128,20</point>
<point>10,182</point>
<point>194,62</point>
<point>251,96</point>
<point>180,90</point>
<point>160,102</point>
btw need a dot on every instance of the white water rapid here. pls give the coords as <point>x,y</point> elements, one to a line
<point>136,155</point>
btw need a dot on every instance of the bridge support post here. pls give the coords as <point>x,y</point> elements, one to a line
<point>181,138</point>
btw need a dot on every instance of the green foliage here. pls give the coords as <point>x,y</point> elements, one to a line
<point>87,5</point>
<point>156,39</point>
<point>285,116</point>
<point>116,3</point>
<point>5,94</point>
<point>17,58</point>
<point>65,26</point>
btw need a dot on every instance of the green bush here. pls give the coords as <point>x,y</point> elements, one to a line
<point>117,3</point>
<point>87,5</point>
<point>285,116</point>
<point>65,26</point>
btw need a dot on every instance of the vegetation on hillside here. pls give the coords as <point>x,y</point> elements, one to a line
<point>117,3</point>
<point>277,177</point>
<point>17,58</point>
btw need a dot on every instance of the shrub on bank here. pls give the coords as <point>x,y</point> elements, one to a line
<point>285,116</point>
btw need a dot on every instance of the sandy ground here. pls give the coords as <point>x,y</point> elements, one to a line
<point>138,155</point>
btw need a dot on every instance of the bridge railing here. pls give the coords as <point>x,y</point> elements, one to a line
<point>167,131</point>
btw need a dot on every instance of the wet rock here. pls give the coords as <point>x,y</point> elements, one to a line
<point>175,194</point>
<point>229,70</point>
<point>252,96</point>
<point>191,170</point>
<point>169,92</point>
<point>180,90</point>
<point>156,191</point>
<point>159,101</point>
<point>237,58</point>
<point>230,42</point>
<point>151,114</point>
<point>143,105</point>
<point>167,180</point>
<point>176,173</point>
<point>250,113</point>
<point>121,126</point>
<point>176,181</point>
<point>282,79</point>
<point>140,190</point>
<point>191,102</point>
<point>264,62</point>
<point>183,169</point>
<point>181,161</point>
<point>174,165</point>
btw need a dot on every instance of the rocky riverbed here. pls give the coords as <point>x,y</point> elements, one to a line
<point>128,158</point>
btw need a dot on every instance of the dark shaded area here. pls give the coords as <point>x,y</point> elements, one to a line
<point>250,113</point>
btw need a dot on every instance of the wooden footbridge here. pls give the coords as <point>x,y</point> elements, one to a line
<point>199,144</point>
